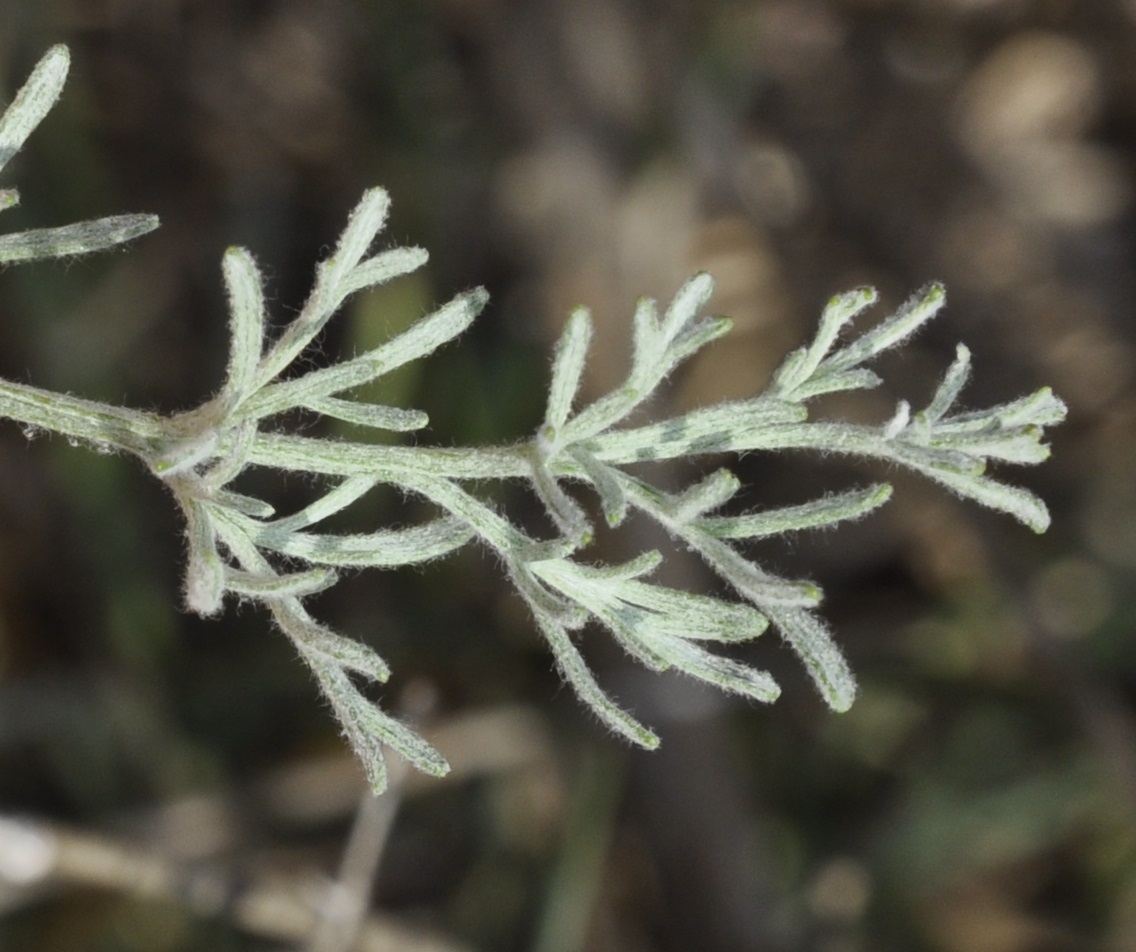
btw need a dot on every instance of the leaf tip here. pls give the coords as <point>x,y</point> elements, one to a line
<point>475,300</point>
<point>60,53</point>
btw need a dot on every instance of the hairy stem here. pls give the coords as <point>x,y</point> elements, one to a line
<point>118,428</point>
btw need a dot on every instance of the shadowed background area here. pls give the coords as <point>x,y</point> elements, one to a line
<point>187,787</point>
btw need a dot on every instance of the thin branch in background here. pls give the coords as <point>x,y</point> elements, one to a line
<point>40,858</point>
<point>42,855</point>
<point>344,912</point>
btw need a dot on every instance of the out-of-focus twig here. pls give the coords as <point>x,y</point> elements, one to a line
<point>40,854</point>
<point>300,907</point>
<point>345,910</point>
<point>344,913</point>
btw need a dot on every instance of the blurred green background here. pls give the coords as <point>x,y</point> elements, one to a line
<point>981,794</point>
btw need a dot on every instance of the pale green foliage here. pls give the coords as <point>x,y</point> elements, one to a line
<point>20,119</point>
<point>238,546</point>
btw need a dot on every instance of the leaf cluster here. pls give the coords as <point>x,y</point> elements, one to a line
<point>240,547</point>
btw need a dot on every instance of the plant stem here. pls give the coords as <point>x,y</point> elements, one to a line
<point>117,428</point>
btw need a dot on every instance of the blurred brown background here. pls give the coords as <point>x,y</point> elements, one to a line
<point>981,794</point>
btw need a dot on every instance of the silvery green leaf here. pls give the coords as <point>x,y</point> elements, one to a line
<point>840,310</point>
<point>645,334</point>
<point>248,505</point>
<point>654,622</point>
<point>869,443</point>
<point>824,512</point>
<point>293,584</point>
<point>723,673</point>
<point>660,347</point>
<point>78,239</point>
<point>331,285</point>
<point>612,500</point>
<point>567,369</point>
<point>364,223</point>
<point>353,712</point>
<point>575,671</point>
<point>694,616</point>
<point>420,339</point>
<point>1012,500</point>
<point>606,591</point>
<point>205,570</point>
<point>372,415</point>
<point>561,507</point>
<point>810,638</point>
<point>603,414</point>
<point>801,365</point>
<point>1040,408</point>
<point>381,268</point>
<point>715,429</point>
<point>705,496</point>
<point>940,458</point>
<point>319,643</point>
<point>368,729</point>
<point>953,381</point>
<point>1015,446</point>
<point>824,382</point>
<point>500,534</point>
<point>9,198</point>
<point>972,421</point>
<point>686,305</point>
<point>545,603</point>
<point>383,549</point>
<point>230,527</point>
<point>630,628</point>
<point>246,322</point>
<point>791,373</point>
<point>641,565</point>
<point>912,315</point>
<point>693,339</point>
<point>749,580</point>
<point>33,101</point>
<point>331,502</point>
<point>657,348</point>
<point>898,423</point>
